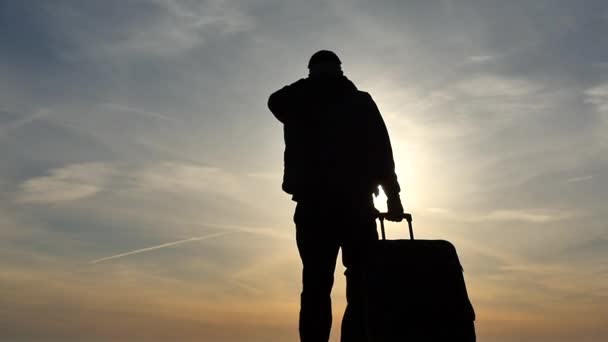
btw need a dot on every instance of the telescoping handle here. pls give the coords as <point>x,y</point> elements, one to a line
<point>406,216</point>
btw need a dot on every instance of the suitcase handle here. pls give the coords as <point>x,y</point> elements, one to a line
<point>406,216</point>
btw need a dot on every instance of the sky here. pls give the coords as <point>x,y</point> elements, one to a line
<point>140,182</point>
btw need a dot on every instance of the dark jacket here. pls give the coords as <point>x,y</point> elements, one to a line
<point>336,142</point>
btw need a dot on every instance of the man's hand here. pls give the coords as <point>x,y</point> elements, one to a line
<point>395,209</point>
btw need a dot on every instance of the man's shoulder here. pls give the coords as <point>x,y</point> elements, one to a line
<point>300,82</point>
<point>293,88</point>
<point>363,95</point>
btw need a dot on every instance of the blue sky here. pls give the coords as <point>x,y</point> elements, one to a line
<point>140,177</point>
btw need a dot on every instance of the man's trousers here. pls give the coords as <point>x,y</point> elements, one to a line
<point>321,230</point>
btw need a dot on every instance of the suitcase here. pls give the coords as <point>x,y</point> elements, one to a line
<point>417,292</point>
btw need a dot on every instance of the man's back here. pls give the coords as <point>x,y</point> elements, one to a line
<point>335,138</point>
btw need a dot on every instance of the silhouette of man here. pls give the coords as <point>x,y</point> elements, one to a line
<point>337,153</point>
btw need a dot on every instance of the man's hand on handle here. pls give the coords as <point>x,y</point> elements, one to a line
<point>395,209</point>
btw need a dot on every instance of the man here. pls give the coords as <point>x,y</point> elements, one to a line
<point>337,153</point>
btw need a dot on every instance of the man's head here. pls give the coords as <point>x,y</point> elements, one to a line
<point>324,63</point>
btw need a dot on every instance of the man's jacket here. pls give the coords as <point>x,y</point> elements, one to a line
<point>336,142</point>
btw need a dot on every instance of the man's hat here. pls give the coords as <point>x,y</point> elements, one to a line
<point>323,56</point>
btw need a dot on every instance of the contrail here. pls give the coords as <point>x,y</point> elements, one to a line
<point>23,121</point>
<point>168,244</point>
<point>123,108</point>
<point>579,179</point>
<point>249,230</point>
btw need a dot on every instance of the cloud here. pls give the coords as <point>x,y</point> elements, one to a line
<point>10,126</point>
<point>598,96</point>
<point>69,183</point>
<point>265,175</point>
<point>164,28</point>
<point>127,109</point>
<point>169,152</point>
<point>115,302</point>
<point>438,210</point>
<point>600,65</point>
<point>226,15</point>
<point>579,179</point>
<point>538,216</point>
<point>496,86</point>
<point>176,177</point>
<point>195,184</point>
<point>530,215</point>
<point>480,59</point>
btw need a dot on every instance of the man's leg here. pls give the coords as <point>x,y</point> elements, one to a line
<point>318,248</point>
<point>356,249</point>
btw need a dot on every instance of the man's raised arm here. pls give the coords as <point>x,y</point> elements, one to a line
<point>283,100</point>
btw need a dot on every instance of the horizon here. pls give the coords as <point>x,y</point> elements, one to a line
<point>141,169</point>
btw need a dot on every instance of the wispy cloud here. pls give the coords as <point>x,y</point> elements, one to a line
<point>69,183</point>
<point>601,65</point>
<point>489,85</point>
<point>138,111</point>
<point>264,175</point>
<point>172,153</point>
<point>598,96</point>
<point>538,216</point>
<point>480,59</point>
<point>11,126</point>
<point>226,15</point>
<point>438,211</point>
<point>178,177</point>
<point>579,179</point>
<point>532,216</point>
<point>177,27</point>
<point>164,245</point>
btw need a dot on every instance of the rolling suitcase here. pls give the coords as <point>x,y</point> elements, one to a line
<point>417,292</point>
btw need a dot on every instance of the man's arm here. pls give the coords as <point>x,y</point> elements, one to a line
<point>386,163</point>
<point>281,101</point>
<point>384,152</point>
